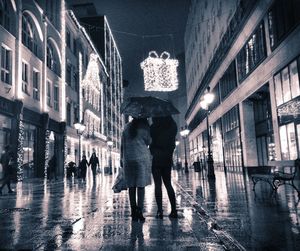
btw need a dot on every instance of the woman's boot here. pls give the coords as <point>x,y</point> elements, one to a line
<point>140,214</point>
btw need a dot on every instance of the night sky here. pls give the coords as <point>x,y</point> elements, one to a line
<point>140,26</point>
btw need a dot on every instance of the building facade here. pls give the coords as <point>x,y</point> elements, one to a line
<point>86,77</point>
<point>247,53</point>
<point>98,29</point>
<point>48,63</point>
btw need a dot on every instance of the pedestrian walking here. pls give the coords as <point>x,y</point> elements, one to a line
<point>94,163</point>
<point>82,167</point>
<point>136,161</point>
<point>163,132</point>
<point>52,165</point>
<point>7,162</point>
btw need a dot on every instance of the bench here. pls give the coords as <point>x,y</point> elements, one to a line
<point>282,172</point>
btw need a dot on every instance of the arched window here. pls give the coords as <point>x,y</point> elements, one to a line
<point>4,14</point>
<point>29,38</point>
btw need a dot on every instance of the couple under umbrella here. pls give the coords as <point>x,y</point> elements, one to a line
<point>146,149</point>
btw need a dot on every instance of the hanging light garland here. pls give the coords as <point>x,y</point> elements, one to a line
<point>160,72</point>
<point>20,151</point>
<point>47,149</point>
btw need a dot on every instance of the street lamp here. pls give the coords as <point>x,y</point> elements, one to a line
<point>80,128</point>
<point>206,101</point>
<point>110,144</point>
<point>184,133</point>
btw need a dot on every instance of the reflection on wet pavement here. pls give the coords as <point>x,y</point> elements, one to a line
<point>257,221</point>
<point>72,215</point>
<point>225,214</point>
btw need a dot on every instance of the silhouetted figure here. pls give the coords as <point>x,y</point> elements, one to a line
<point>163,133</point>
<point>136,161</point>
<point>7,162</point>
<point>94,162</point>
<point>82,167</point>
<point>52,165</point>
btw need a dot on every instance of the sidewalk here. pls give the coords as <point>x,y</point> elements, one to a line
<point>254,221</point>
<point>71,215</point>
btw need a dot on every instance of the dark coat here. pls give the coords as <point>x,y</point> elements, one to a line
<point>82,167</point>
<point>94,161</point>
<point>163,133</point>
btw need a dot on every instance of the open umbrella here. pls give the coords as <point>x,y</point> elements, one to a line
<point>144,107</point>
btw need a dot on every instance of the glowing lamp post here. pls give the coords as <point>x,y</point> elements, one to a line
<point>206,101</point>
<point>184,133</point>
<point>110,144</point>
<point>80,129</point>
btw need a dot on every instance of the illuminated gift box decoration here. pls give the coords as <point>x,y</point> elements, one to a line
<point>160,72</point>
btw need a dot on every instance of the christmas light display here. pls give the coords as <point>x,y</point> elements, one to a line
<point>20,151</point>
<point>47,149</point>
<point>160,72</point>
<point>91,82</point>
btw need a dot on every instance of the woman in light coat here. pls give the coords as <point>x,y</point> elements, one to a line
<point>136,161</point>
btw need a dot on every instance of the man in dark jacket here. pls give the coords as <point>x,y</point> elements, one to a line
<point>163,133</point>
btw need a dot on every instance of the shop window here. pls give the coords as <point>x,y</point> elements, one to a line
<point>282,17</point>
<point>4,14</point>
<point>36,85</point>
<point>298,138</point>
<point>287,83</point>
<point>49,93</point>
<point>6,63</point>
<point>29,37</point>
<point>294,79</point>
<point>288,141</point>
<point>56,98</point>
<point>25,77</point>
<point>232,146</point>
<point>252,53</point>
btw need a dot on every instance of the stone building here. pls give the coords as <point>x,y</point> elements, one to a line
<point>48,62</point>
<point>247,53</point>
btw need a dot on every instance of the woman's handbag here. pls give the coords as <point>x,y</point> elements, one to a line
<point>119,184</point>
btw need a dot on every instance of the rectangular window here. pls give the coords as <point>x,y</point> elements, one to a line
<point>74,46</point>
<point>36,85</point>
<point>291,135</point>
<point>286,85</point>
<point>294,77</point>
<point>25,77</point>
<point>278,89</point>
<point>49,93</point>
<point>68,38</point>
<point>69,74</point>
<point>6,58</point>
<point>252,53</point>
<point>283,16</point>
<point>228,81</point>
<point>68,114</point>
<point>76,114</point>
<point>56,98</point>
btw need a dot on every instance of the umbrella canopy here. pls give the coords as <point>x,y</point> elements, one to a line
<point>144,107</point>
